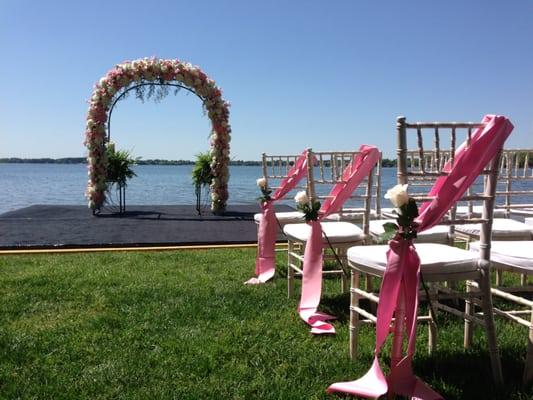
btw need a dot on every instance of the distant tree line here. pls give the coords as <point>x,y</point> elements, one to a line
<point>68,160</point>
<point>83,160</point>
<point>522,159</point>
<point>387,163</point>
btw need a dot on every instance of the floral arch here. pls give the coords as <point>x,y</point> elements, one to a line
<point>156,71</point>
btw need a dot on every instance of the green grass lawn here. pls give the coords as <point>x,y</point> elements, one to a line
<point>181,325</point>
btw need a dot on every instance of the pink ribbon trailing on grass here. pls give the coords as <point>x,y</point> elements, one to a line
<point>401,278</point>
<point>268,226</point>
<point>352,176</point>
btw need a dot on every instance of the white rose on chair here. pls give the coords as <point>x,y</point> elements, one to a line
<point>265,191</point>
<point>398,195</point>
<point>261,183</point>
<point>301,198</point>
<point>406,210</point>
<point>310,209</point>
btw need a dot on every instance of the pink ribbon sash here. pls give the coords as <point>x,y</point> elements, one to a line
<point>353,175</point>
<point>268,227</point>
<point>401,278</point>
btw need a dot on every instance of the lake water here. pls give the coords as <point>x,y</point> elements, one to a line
<point>23,185</point>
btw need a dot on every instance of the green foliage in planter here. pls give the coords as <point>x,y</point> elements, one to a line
<point>201,176</point>
<point>201,172</point>
<point>119,166</point>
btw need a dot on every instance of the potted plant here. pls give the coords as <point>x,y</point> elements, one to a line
<point>119,170</point>
<point>202,176</point>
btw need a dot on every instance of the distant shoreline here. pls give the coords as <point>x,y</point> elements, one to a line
<point>82,160</point>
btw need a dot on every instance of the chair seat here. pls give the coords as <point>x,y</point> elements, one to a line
<point>296,217</point>
<point>389,212</point>
<point>521,211</point>
<point>510,255</point>
<point>337,232</point>
<point>502,229</point>
<point>436,234</point>
<point>437,260</point>
<point>284,218</point>
<point>350,215</point>
<point>462,211</point>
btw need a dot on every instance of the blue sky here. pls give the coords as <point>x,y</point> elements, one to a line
<point>330,75</point>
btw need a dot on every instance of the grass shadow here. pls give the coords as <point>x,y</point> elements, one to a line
<point>338,305</point>
<point>468,375</point>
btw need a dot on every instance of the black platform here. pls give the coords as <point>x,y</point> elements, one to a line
<point>60,226</point>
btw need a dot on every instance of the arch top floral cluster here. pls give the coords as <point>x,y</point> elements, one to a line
<point>157,71</point>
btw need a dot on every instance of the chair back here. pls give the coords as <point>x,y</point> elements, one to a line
<point>275,169</point>
<point>424,148</point>
<point>515,182</point>
<point>328,171</point>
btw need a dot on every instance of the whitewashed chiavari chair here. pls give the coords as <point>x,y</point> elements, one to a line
<point>440,263</point>
<point>516,172</point>
<point>513,198</point>
<point>515,256</point>
<point>338,235</point>
<point>275,168</point>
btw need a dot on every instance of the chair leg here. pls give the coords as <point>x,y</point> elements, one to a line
<point>499,273</point>
<point>369,288</point>
<point>432,333</point>
<point>354,315</point>
<point>368,283</point>
<point>290,270</point>
<point>344,279</point>
<point>527,378</point>
<point>488,315</point>
<point>469,310</point>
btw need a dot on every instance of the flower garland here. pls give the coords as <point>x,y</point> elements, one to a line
<point>156,70</point>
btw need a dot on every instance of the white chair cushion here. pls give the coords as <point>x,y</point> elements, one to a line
<point>437,234</point>
<point>337,232</point>
<point>521,211</point>
<point>284,218</point>
<point>436,259</point>
<point>350,216</point>
<point>462,211</point>
<point>510,255</point>
<point>388,212</point>
<point>502,229</point>
<point>528,221</point>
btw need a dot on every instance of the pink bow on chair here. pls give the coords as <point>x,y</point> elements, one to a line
<point>268,227</point>
<point>401,278</point>
<point>352,176</point>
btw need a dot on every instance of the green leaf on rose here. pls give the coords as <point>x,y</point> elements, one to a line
<point>412,208</point>
<point>390,227</point>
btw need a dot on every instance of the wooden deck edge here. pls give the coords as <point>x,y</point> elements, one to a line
<point>124,249</point>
